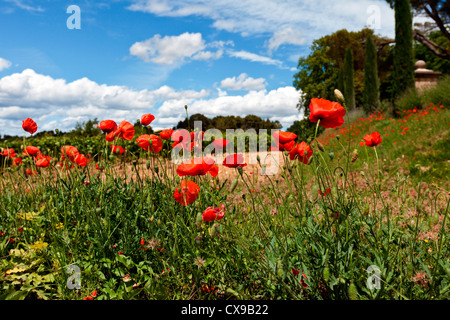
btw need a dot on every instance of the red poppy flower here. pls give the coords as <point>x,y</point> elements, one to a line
<point>17,161</point>
<point>30,172</point>
<point>181,138</point>
<point>373,139</point>
<point>70,152</point>
<point>198,167</point>
<point>116,149</point>
<point>284,147</point>
<point>213,214</point>
<point>29,125</point>
<point>150,142</point>
<point>81,160</point>
<point>10,153</point>
<point>125,131</point>
<point>325,193</point>
<point>107,126</point>
<point>99,167</point>
<point>186,193</point>
<point>146,119</point>
<point>166,134</point>
<point>31,151</point>
<point>234,161</point>
<point>331,114</point>
<point>302,152</point>
<point>42,161</point>
<point>91,296</point>
<point>284,136</point>
<point>110,136</point>
<point>220,144</point>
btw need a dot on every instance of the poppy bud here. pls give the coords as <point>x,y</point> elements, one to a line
<point>152,218</point>
<point>326,274</point>
<point>280,269</point>
<point>240,170</point>
<point>148,164</point>
<point>156,169</point>
<point>234,185</point>
<point>339,96</point>
<point>338,137</point>
<point>198,220</point>
<point>352,291</point>
<point>159,222</point>
<point>355,155</point>
<point>258,158</point>
<point>320,146</point>
<point>212,231</point>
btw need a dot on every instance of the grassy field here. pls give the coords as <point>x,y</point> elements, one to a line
<point>356,222</point>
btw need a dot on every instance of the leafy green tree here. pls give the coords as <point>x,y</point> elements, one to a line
<point>318,73</point>
<point>371,82</point>
<point>349,93</point>
<point>433,61</point>
<point>305,130</point>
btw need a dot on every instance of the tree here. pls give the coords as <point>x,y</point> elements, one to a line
<point>349,80</point>
<point>403,78</point>
<point>305,130</point>
<point>439,12</point>
<point>318,73</point>
<point>433,61</point>
<point>371,82</point>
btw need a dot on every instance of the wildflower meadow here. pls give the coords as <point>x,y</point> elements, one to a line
<point>357,212</point>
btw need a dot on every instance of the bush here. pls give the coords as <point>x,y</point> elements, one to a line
<point>438,95</point>
<point>409,100</point>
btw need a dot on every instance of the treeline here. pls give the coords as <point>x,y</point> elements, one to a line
<point>223,123</point>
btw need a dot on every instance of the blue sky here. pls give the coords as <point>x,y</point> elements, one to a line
<point>139,56</point>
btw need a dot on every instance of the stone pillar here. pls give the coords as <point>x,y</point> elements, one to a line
<point>425,78</point>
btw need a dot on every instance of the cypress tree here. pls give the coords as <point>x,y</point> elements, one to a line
<point>371,81</point>
<point>340,80</point>
<point>349,93</point>
<point>403,51</point>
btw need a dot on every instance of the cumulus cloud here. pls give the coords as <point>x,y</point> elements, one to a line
<point>243,82</point>
<point>279,104</point>
<point>168,50</point>
<point>173,50</point>
<point>4,64</point>
<point>55,103</point>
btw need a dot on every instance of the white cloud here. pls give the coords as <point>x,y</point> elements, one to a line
<point>279,104</point>
<point>4,64</point>
<point>174,50</point>
<point>168,50</point>
<point>54,103</point>
<point>243,82</point>
<point>253,57</point>
<point>285,36</point>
